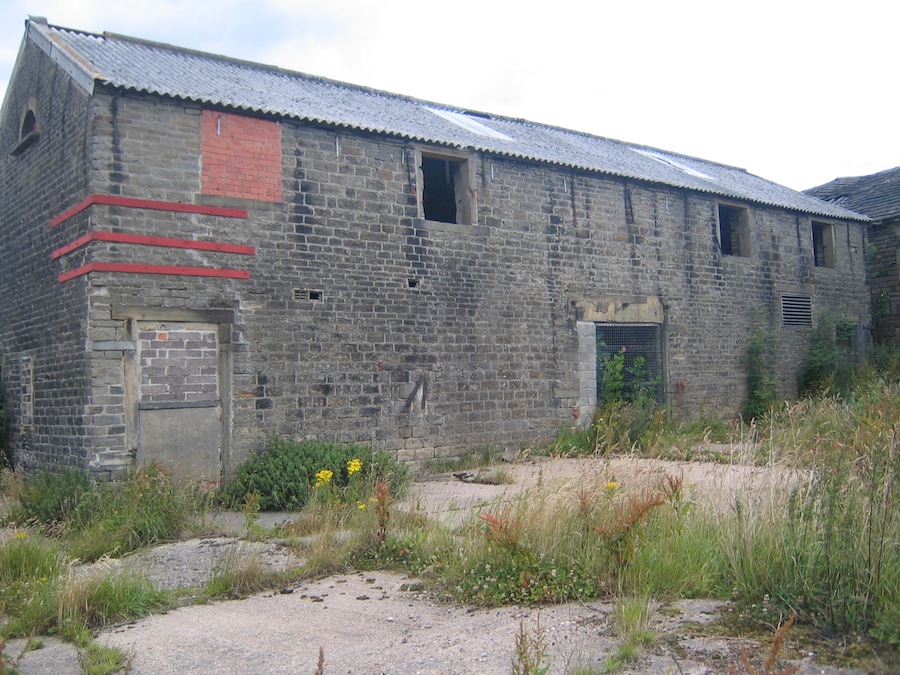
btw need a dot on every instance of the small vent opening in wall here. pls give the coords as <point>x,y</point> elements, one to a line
<point>308,294</point>
<point>796,309</point>
<point>413,283</point>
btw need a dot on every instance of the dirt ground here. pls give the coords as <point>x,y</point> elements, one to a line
<point>372,623</point>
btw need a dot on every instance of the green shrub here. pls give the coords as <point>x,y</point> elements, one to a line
<point>829,364</point>
<point>284,474</point>
<point>885,361</point>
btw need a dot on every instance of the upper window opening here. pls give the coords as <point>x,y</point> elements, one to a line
<point>29,125</point>
<point>444,192</point>
<point>823,244</point>
<point>734,230</point>
<point>28,131</point>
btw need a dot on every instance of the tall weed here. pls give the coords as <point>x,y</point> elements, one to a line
<point>829,549</point>
<point>54,498</point>
<point>148,507</point>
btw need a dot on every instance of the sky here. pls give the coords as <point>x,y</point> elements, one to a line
<point>799,92</point>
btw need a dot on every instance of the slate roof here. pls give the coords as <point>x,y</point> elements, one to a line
<point>876,195</point>
<point>142,66</point>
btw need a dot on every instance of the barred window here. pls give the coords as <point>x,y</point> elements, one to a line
<point>629,362</point>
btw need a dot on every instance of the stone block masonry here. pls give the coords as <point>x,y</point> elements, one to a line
<point>354,317</point>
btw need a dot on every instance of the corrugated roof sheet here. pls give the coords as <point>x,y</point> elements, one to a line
<point>876,195</point>
<point>142,66</point>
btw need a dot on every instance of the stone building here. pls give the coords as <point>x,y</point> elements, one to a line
<point>200,251</point>
<point>876,196</point>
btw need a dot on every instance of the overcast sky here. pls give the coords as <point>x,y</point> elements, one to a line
<point>797,91</point>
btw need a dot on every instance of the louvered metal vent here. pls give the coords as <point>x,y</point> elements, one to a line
<point>308,294</point>
<point>796,309</point>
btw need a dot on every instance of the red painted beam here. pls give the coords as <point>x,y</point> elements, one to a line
<point>142,240</point>
<point>132,203</point>
<point>131,268</point>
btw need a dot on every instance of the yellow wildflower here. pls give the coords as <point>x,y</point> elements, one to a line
<point>324,477</point>
<point>354,466</point>
<point>362,506</point>
<point>20,535</point>
<point>611,486</point>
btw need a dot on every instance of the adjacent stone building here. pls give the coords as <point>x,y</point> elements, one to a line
<point>876,196</point>
<point>199,251</point>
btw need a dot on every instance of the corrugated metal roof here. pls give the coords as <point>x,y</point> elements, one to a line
<point>876,195</point>
<point>155,68</point>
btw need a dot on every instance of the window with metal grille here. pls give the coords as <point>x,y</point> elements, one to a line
<point>796,309</point>
<point>629,362</point>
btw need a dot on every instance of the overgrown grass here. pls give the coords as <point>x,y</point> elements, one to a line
<point>822,541</point>
<point>39,594</point>
<point>644,428</point>
<point>631,617</point>
<point>112,519</point>
<point>241,573</point>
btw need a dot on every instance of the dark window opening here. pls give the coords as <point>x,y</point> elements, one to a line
<point>28,133</point>
<point>823,244</point>
<point>629,363</point>
<point>29,125</point>
<point>413,283</point>
<point>734,231</point>
<point>444,190</point>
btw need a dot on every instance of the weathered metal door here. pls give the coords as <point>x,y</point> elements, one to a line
<point>179,410</point>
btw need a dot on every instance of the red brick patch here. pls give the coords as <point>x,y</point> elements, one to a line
<point>241,157</point>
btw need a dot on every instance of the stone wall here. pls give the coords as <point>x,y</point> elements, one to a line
<point>43,323</point>
<point>360,321</point>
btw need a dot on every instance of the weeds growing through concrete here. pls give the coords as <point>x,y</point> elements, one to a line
<point>632,622</point>
<point>239,574</point>
<point>531,651</point>
<point>824,542</point>
<point>770,664</point>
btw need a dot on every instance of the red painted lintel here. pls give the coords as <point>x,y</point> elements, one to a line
<point>156,205</point>
<point>142,240</point>
<point>131,268</point>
